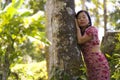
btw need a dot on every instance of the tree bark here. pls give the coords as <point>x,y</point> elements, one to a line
<point>7,61</point>
<point>63,57</point>
<point>6,65</point>
<point>109,42</point>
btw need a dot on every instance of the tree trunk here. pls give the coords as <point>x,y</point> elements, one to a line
<point>105,16</point>
<point>63,57</point>
<point>110,42</point>
<point>6,64</point>
<point>83,4</point>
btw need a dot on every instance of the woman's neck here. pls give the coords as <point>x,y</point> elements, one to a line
<point>83,28</point>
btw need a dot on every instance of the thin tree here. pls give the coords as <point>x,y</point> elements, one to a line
<point>105,16</point>
<point>83,4</point>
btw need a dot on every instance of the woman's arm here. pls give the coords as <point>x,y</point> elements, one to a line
<point>81,38</point>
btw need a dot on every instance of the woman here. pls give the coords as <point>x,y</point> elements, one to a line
<point>87,36</point>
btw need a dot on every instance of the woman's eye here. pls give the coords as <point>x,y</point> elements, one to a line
<point>84,17</point>
<point>78,18</point>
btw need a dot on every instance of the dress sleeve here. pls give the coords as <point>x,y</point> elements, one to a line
<point>91,31</point>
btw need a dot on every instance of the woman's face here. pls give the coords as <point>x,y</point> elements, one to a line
<point>82,19</point>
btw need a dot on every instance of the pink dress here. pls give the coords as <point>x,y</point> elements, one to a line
<point>96,63</point>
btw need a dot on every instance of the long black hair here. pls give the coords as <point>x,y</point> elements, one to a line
<point>90,23</point>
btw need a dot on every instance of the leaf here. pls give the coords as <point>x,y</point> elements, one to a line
<point>11,9</point>
<point>26,13</point>
<point>108,56</point>
<point>17,3</point>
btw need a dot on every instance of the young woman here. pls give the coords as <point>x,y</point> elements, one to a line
<point>87,36</point>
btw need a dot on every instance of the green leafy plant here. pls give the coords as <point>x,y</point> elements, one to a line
<point>31,71</point>
<point>59,74</point>
<point>114,60</point>
<point>16,27</point>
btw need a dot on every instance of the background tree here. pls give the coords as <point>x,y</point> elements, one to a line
<point>64,58</point>
<point>83,4</point>
<point>105,16</point>
<point>114,18</point>
<point>36,5</point>
<point>17,29</point>
<point>8,37</point>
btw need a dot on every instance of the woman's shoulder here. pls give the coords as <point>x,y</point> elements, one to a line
<point>91,30</point>
<point>91,27</point>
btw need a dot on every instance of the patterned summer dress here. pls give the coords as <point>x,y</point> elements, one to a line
<point>96,63</point>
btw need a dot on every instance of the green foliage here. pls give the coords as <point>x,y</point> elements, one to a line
<point>114,61</point>
<point>15,28</point>
<point>114,18</point>
<point>21,33</point>
<point>10,26</point>
<point>114,57</point>
<point>36,5</point>
<point>34,49</point>
<point>83,76</point>
<point>31,71</point>
<point>59,74</point>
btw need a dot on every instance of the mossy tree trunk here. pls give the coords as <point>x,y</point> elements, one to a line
<point>110,42</point>
<point>63,56</point>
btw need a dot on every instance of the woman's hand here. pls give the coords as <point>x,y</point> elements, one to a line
<point>76,24</point>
